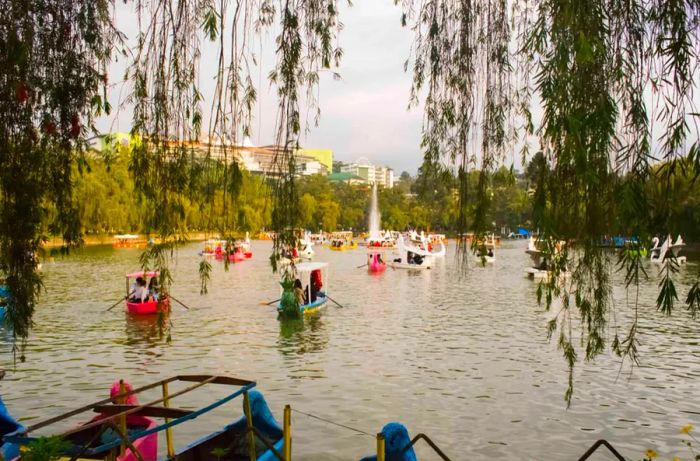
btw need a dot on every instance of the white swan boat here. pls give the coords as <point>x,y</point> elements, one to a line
<point>486,253</point>
<point>411,257</point>
<point>306,250</point>
<point>422,243</point>
<point>540,261</point>
<point>658,253</point>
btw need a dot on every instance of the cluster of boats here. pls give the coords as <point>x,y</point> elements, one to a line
<point>235,251</point>
<point>125,430</point>
<point>545,255</point>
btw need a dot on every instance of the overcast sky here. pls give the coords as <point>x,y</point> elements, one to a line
<point>362,115</point>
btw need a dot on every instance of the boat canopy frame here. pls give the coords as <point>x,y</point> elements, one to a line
<point>116,416</point>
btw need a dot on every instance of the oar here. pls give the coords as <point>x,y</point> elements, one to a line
<point>121,300</point>
<point>360,267</point>
<point>178,301</point>
<point>339,305</point>
<point>263,303</point>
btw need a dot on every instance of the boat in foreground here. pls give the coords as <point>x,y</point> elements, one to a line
<point>128,431</point>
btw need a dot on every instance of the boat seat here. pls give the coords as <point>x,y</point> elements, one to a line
<point>155,412</point>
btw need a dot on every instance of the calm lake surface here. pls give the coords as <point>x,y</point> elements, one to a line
<point>464,359</point>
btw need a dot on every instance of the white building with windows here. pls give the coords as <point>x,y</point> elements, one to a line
<point>363,168</point>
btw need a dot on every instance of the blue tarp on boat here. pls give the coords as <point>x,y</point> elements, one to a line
<point>8,425</point>
<point>397,438</point>
<point>524,232</point>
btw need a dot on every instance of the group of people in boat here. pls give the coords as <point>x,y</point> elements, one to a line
<point>340,243</point>
<point>411,258</point>
<point>310,295</point>
<point>142,292</point>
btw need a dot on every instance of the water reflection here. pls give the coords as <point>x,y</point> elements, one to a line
<point>301,336</point>
<point>147,329</point>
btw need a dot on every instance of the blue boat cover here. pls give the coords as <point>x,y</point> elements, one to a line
<point>8,425</point>
<point>397,438</point>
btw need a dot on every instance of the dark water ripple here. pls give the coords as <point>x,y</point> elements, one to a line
<point>461,357</point>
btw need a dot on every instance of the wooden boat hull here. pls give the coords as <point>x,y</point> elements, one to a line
<point>233,437</point>
<point>147,446</point>
<point>376,268</point>
<point>396,265</point>
<point>147,308</point>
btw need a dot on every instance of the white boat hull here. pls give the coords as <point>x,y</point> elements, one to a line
<point>425,265</point>
<point>538,274</point>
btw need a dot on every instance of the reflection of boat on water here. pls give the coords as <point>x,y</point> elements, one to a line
<point>313,277</point>
<point>659,253</point>
<point>146,329</point>
<point>300,336</point>
<point>411,257</point>
<point>128,431</point>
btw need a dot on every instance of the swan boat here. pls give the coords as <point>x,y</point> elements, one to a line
<point>658,253</point>
<point>148,307</point>
<point>314,278</point>
<point>425,244</point>
<point>129,432</point>
<point>540,260</point>
<point>411,257</point>
<point>486,250</point>
<point>306,250</point>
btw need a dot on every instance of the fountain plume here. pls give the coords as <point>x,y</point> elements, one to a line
<point>374,216</point>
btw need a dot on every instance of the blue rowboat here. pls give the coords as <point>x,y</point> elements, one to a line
<point>254,436</point>
<point>313,277</point>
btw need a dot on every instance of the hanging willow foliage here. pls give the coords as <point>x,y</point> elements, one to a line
<point>53,57</point>
<point>588,64</point>
<point>609,76</point>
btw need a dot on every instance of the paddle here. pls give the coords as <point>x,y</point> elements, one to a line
<point>337,303</point>
<point>120,300</point>
<point>360,267</point>
<point>263,303</point>
<point>178,301</point>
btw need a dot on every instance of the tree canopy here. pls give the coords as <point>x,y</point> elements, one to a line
<point>614,79</point>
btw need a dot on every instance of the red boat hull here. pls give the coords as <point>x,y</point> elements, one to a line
<point>147,308</point>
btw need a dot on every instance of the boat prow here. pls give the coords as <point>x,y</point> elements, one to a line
<point>396,440</point>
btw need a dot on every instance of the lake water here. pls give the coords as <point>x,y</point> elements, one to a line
<point>462,358</point>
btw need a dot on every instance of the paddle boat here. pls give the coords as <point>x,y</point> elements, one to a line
<point>411,257</point>
<point>375,262</point>
<point>341,244</point>
<point>422,243</point>
<point>245,246</point>
<point>147,307</point>
<point>313,277</point>
<point>540,268</point>
<point>210,247</point>
<point>236,252</point>
<point>305,249</point>
<point>127,431</point>
<point>658,253</point>
<point>128,241</point>
<point>486,251</point>
<point>395,444</point>
<point>383,240</point>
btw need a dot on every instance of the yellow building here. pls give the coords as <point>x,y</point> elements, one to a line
<point>324,156</point>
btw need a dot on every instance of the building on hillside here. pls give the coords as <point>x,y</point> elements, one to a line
<point>256,159</point>
<point>348,178</point>
<point>363,168</point>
